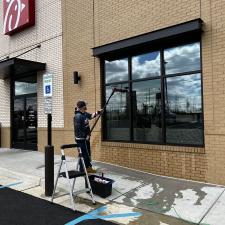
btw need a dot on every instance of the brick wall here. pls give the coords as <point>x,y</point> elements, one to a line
<point>214,95</point>
<point>88,24</point>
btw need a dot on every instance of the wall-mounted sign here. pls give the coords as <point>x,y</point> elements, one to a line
<point>18,15</point>
<point>47,85</point>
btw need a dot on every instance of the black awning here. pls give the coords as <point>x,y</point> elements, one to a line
<point>16,67</point>
<point>184,31</point>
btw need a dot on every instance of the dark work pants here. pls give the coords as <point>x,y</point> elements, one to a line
<point>85,147</point>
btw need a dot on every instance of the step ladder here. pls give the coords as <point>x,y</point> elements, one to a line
<point>72,175</point>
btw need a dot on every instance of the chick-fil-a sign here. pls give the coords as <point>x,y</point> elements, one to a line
<point>18,15</point>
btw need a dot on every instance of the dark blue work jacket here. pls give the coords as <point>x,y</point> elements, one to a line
<point>81,125</point>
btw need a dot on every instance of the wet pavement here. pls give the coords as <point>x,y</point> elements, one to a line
<point>160,200</point>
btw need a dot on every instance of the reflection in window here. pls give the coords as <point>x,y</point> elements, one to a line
<point>147,111</point>
<point>18,123</point>
<point>176,120</point>
<point>22,88</point>
<point>183,106</point>
<point>146,65</point>
<point>117,114</point>
<point>31,120</point>
<point>116,71</point>
<point>182,59</point>
<point>26,85</point>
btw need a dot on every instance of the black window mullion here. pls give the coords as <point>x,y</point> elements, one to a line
<point>12,108</point>
<point>25,119</point>
<point>163,121</point>
<point>182,74</point>
<point>146,79</point>
<point>130,99</point>
<point>104,130</point>
<point>202,93</point>
<point>116,83</point>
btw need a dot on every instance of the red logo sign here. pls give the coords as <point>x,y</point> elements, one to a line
<point>18,15</point>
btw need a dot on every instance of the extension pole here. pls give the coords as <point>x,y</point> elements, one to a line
<point>103,109</point>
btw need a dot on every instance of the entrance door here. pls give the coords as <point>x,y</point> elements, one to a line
<point>25,122</point>
<point>24,113</point>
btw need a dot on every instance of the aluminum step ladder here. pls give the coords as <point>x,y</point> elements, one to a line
<point>72,175</point>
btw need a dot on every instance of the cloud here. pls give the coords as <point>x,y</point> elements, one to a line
<point>147,65</point>
<point>116,70</point>
<point>182,59</point>
<point>184,90</point>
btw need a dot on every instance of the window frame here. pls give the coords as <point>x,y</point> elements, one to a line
<point>162,78</point>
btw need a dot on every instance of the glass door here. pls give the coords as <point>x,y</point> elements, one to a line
<point>25,122</point>
<point>31,122</point>
<point>18,123</point>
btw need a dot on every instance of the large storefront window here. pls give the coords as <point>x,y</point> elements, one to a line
<point>163,101</point>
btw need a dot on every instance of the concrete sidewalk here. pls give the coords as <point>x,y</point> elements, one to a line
<point>161,200</point>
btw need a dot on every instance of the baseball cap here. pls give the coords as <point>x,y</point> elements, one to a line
<point>81,104</point>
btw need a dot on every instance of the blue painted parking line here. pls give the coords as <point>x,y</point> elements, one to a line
<point>121,215</point>
<point>94,215</point>
<point>10,185</point>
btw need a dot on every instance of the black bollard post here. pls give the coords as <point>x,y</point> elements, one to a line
<point>49,170</point>
<point>49,161</point>
<point>49,129</point>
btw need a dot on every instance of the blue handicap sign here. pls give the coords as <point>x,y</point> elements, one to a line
<point>95,215</point>
<point>47,89</point>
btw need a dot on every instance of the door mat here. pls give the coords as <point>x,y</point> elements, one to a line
<point>17,208</point>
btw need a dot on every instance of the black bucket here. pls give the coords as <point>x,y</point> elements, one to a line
<point>101,186</point>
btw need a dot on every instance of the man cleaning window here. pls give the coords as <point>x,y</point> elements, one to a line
<point>83,132</point>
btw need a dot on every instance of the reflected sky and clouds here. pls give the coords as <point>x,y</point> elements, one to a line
<point>178,59</point>
<point>183,96</point>
<point>22,88</point>
<point>146,65</point>
<point>116,71</point>
<point>182,59</point>
<point>184,93</point>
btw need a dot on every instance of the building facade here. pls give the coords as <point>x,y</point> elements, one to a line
<point>165,56</point>
<point>22,114</point>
